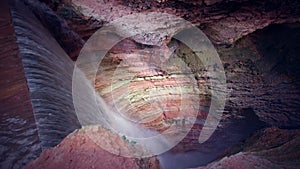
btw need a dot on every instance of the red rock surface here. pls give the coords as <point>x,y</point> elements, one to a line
<point>223,21</point>
<point>146,91</point>
<point>79,151</point>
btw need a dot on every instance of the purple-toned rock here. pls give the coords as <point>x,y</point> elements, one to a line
<point>268,148</point>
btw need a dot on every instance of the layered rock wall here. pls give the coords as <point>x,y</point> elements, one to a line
<point>19,140</point>
<point>48,71</point>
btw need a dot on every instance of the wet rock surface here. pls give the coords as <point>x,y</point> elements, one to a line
<point>189,153</point>
<point>69,40</point>
<point>270,92</point>
<point>18,130</point>
<point>84,26</point>
<point>246,62</point>
<point>262,70</point>
<point>255,86</point>
<point>48,71</point>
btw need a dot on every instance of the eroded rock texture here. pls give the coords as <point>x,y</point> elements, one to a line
<point>70,41</point>
<point>268,148</point>
<point>262,70</point>
<point>223,21</point>
<point>150,89</point>
<point>262,74</point>
<point>80,150</point>
<point>18,130</point>
<point>249,79</point>
<point>258,81</point>
<point>48,71</point>
<point>254,84</point>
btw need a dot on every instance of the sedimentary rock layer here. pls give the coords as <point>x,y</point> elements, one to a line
<point>19,141</point>
<point>223,21</point>
<point>48,72</point>
<point>155,94</point>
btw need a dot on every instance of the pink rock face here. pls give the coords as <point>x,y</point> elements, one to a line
<point>79,151</point>
<point>224,25</point>
<point>149,88</point>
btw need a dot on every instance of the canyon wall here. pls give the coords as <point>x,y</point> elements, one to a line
<point>19,140</point>
<point>48,71</point>
<point>268,148</point>
<point>223,21</point>
<point>37,110</point>
<point>261,68</point>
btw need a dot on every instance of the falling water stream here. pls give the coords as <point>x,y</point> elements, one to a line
<point>48,71</point>
<point>49,76</point>
<point>91,109</point>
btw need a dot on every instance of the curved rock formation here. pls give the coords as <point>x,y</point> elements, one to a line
<point>148,91</point>
<point>77,150</point>
<point>19,140</point>
<point>227,21</point>
<point>223,21</point>
<point>48,71</point>
<point>262,72</point>
<point>268,148</point>
<point>69,40</point>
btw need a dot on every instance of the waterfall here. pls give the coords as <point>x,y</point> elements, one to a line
<point>91,109</point>
<point>48,71</point>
